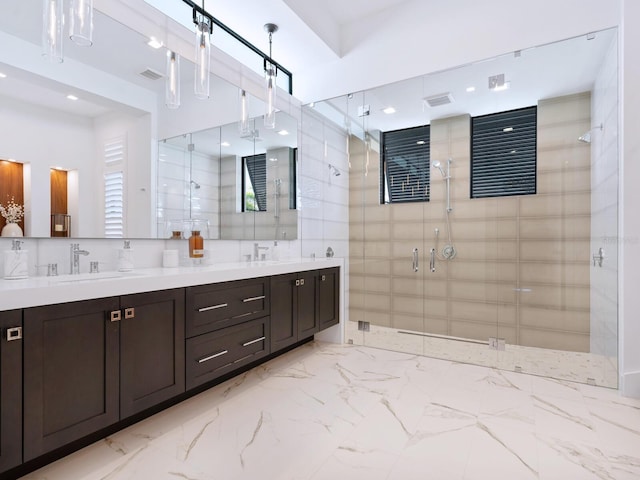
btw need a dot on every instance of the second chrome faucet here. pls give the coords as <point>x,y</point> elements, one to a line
<point>74,258</point>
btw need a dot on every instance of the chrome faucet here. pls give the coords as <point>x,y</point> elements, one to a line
<point>256,251</point>
<point>74,258</point>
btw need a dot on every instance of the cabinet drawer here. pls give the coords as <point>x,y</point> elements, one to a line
<point>216,306</point>
<point>214,354</point>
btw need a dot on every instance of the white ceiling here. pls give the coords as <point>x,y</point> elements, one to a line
<point>312,35</point>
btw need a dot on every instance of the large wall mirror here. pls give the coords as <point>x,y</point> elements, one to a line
<point>230,182</point>
<point>89,130</point>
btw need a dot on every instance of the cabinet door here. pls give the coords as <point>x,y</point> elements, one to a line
<point>306,304</point>
<point>151,349</point>
<point>328,297</point>
<point>10,390</point>
<point>70,373</point>
<point>284,326</point>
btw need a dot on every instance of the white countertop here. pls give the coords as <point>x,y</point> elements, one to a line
<point>37,291</point>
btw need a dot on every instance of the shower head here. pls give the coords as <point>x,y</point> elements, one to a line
<point>436,164</point>
<point>586,137</point>
<point>334,171</point>
<point>195,184</point>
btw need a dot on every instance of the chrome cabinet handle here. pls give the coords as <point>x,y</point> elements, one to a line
<point>253,299</point>
<point>298,282</point>
<point>415,259</point>
<point>206,309</point>
<point>211,357</point>
<point>251,342</point>
<point>129,313</point>
<point>14,333</point>
<point>324,278</point>
<point>116,315</point>
<point>432,260</point>
<point>301,281</point>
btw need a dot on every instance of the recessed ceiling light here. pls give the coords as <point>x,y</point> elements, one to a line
<point>471,89</point>
<point>225,144</point>
<point>507,129</point>
<point>389,110</point>
<point>154,43</point>
<point>283,132</point>
<point>3,75</point>
<point>72,97</point>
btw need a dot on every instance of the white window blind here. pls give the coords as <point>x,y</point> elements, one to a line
<point>114,159</point>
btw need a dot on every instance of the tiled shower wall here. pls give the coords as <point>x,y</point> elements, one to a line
<point>522,266</point>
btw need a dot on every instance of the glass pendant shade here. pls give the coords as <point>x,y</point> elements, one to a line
<point>81,22</point>
<point>244,112</point>
<point>270,105</point>
<point>172,80</point>
<point>52,25</point>
<point>203,59</point>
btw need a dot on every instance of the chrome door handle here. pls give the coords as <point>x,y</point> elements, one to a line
<point>116,315</point>
<point>598,257</point>
<point>415,259</point>
<point>432,260</point>
<point>129,313</point>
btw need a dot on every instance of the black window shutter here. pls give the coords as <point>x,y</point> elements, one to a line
<point>406,159</point>
<point>503,153</point>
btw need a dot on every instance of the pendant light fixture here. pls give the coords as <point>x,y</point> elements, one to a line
<point>81,23</point>
<point>172,80</point>
<point>204,28</point>
<point>243,100</point>
<point>52,14</point>
<point>270,73</point>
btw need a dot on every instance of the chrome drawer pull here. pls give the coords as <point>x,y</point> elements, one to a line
<point>211,357</point>
<point>253,341</point>
<point>253,299</point>
<point>244,315</point>
<point>14,333</point>
<point>206,309</point>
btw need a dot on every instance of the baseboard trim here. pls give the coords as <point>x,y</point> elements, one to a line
<point>630,384</point>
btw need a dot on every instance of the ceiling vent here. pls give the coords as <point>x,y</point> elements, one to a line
<point>439,99</point>
<point>151,74</point>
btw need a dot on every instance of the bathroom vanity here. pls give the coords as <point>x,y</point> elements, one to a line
<point>82,358</point>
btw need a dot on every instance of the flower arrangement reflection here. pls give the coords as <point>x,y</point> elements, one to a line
<point>12,212</point>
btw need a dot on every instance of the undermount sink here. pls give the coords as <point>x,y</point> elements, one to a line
<point>84,277</point>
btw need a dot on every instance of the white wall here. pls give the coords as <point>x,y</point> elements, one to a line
<point>46,138</point>
<point>629,276</point>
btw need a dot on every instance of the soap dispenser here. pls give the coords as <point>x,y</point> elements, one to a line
<point>125,257</point>
<point>15,262</point>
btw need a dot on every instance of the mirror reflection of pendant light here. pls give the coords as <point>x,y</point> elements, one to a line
<point>81,23</point>
<point>270,73</point>
<point>52,14</point>
<point>204,28</point>
<point>243,97</point>
<point>172,80</point>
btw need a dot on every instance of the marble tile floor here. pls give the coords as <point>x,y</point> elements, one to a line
<point>327,411</point>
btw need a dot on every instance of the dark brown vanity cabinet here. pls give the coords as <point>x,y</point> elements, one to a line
<point>293,308</point>
<point>10,389</point>
<point>227,327</point>
<point>328,297</point>
<point>71,373</point>
<point>151,349</point>
<point>302,304</point>
<point>89,364</point>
